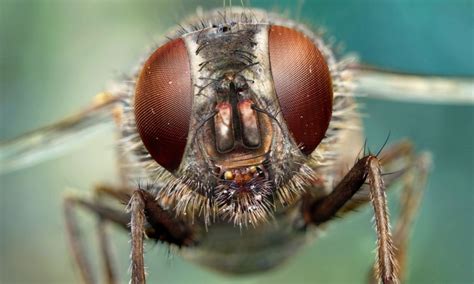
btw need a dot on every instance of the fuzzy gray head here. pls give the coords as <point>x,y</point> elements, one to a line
<point>234,111</point>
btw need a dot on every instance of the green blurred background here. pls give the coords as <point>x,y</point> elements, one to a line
<point>55,55</point>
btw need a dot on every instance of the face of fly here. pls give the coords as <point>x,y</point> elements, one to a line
<point>234,110</point>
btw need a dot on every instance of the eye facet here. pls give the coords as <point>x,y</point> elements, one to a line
<point>163,101</point>
<point>303,85</point>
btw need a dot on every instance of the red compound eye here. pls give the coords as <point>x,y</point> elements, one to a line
<point>303,85</point>
<point>163,101</point>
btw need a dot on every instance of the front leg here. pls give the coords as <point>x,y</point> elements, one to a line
<point>163,226</point>
<point>137,227</point>
<point>146,217</point>
<point>366,169</point>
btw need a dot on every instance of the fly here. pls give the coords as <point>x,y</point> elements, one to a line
<point>238,131</point>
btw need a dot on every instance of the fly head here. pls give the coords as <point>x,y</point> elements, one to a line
<point>233,111</point>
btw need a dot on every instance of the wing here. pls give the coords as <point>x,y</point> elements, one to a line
<point>53,140</point>
<point>382,84</point>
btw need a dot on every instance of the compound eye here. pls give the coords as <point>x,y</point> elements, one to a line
<point>163,100</point>
<point>303,85</point>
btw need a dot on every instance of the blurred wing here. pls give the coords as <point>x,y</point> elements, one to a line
<point>381,84</point>
<point>54,140</point>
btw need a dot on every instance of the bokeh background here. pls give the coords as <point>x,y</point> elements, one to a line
<point>55,55</point>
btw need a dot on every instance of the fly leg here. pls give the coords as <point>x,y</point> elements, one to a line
<point>364,183</point>
<point>144,208</point>
<point>137,208</point>
<point>396,161</point>
<point>145,217</point>
<point>413,187</point>
<point>123,196</point>
<point>366,169</point>
<point>414,178</point>
<point>72,230</point>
